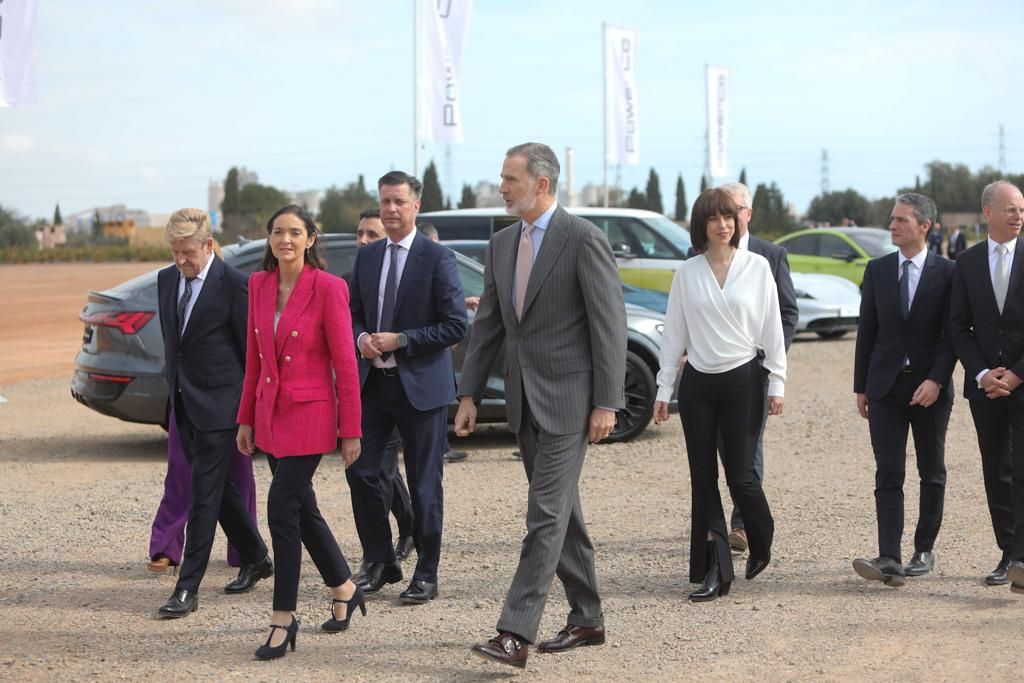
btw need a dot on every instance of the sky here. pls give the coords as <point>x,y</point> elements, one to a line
<point>144,103</point>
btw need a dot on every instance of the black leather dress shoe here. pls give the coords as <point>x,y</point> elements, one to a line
<point>403,548</point>
<point>507,648</point>
<point>419,592</point>
<point>373,576</point>
<point>249,574</point>
<point>756,565</point>
<point>998,577</point>
<point>452,455</point>
<point>1015,573</point>
<point>572,636</point>
<point>181,604</point>
<point>920,564</point>
<point>885,569</point>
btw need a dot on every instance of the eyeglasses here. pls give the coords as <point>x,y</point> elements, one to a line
<point>1012,211</point>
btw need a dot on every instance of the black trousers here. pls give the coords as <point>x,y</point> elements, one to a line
<point>997,422</point>
<point>214,498</point>
<point>889,420</point>
<point>730,403</point>
<point>393,487</point>
<point>295,521</point>
<point>385,406</point>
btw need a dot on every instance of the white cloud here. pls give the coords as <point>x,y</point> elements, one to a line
<point>14,142</point>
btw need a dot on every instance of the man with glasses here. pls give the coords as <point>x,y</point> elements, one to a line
<point>987,324</point>
<point>779,264</point>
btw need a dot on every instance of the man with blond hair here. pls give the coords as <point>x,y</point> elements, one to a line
<point>203,308</point>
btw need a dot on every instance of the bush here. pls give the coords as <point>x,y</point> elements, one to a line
<point>104,253</point>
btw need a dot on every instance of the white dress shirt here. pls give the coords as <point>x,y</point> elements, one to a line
<point>914,273</point>
<point>403,255</point>
<point>197,286</point>
<point>993,260</point>
<point>721,328</point>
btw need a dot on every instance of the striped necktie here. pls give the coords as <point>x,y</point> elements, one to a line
<point>183,304</point>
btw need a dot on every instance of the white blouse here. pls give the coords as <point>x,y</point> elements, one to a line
<point>721,328</point>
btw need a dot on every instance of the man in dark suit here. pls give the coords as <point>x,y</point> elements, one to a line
<point>902,377</point>
<point>407,313</point>
<point>552,294</point>
<point>987,324</point>
<point>203,308</point>
<point>393,488</point>
<point>779,263</point>
<point>957,243</point>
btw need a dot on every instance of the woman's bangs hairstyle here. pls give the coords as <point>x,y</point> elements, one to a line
<point>712,202</point>
<point>314,255</point>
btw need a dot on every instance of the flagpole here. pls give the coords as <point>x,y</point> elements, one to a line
<point>415,87</point>
<point>604,91</point>
<point>707,128</point>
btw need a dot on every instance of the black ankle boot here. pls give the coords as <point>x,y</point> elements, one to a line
<point>713,585</point>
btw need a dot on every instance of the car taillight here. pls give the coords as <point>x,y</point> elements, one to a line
<point>129,322</point>
<point>119,379</point>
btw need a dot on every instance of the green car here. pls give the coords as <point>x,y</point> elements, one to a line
<point>836,251</point>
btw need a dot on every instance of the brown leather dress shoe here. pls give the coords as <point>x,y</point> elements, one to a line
<point>159,564</point>
<point>507,648</point>
<point>572,636</point>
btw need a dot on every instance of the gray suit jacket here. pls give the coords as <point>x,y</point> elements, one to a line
<point>568,353</point>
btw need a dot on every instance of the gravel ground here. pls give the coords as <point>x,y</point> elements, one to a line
<point>78,491</point>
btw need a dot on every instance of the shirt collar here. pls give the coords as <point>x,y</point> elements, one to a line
<point>405,242</point>
<point>544,219</point>
<point>204,272</point>
<point>918,259</point>
<point>745,241</point>
<point>1010,246</point>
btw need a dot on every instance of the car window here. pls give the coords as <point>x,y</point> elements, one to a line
<point>874,244</point>
<point>461,227</point>
<point>472,280</point>
<point>803,245</point>
<point>835,247</point>
<point>642,240</point>
<point>670,231</point>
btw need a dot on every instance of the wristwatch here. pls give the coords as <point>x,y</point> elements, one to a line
<point>403,340</point>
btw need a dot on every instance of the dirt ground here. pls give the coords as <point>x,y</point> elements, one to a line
<point>78,491</point>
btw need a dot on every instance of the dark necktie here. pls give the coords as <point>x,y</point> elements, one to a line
<point>183,304</point>
<point>387,311</point>
<point>905,289</point>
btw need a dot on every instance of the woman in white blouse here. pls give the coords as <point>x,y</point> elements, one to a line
<point>723,313</point>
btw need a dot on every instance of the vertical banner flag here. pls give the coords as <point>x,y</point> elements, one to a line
<point>444,34</point>
<point>18,52</point>
<point>622,115</point>
<point>718,120</point>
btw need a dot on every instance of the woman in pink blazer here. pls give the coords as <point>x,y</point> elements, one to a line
<point>301,392</point>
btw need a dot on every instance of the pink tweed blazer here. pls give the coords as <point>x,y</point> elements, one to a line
<point>289,396</point>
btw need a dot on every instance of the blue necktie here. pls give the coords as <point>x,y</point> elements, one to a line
<point>387,311</point>
<point>183,304</point>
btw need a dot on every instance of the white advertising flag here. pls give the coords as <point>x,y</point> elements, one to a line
<point>622,115</point>
<point>444,33</point>
<point>718,120</point>
<point>18,52</point>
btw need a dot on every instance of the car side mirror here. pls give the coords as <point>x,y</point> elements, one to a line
<point>847,256</point>
<point>622,250</point>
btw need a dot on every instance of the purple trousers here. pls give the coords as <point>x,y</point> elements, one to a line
<point>168,536</point>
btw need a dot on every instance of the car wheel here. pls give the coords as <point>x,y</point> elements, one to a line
<point>832,334</point>
<point>641,390</point>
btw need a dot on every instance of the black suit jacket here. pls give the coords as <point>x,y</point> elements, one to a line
<point>984,338</point>
<point>885,339</point>
<point>207,364</point>
<point>956,246</point>
<point>778,260</point>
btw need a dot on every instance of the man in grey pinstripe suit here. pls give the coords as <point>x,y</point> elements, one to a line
<point>552,294</point>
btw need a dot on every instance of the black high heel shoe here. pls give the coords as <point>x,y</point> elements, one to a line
<point>713,585</point>
<point>333,625</point>
<point>268,652</point>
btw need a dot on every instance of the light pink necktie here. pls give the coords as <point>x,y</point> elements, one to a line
<point>524,264</point>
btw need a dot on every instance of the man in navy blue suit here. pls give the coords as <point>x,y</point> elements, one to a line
<point>203,310</point>
<point>408,311</point>
<point>902,377</point>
